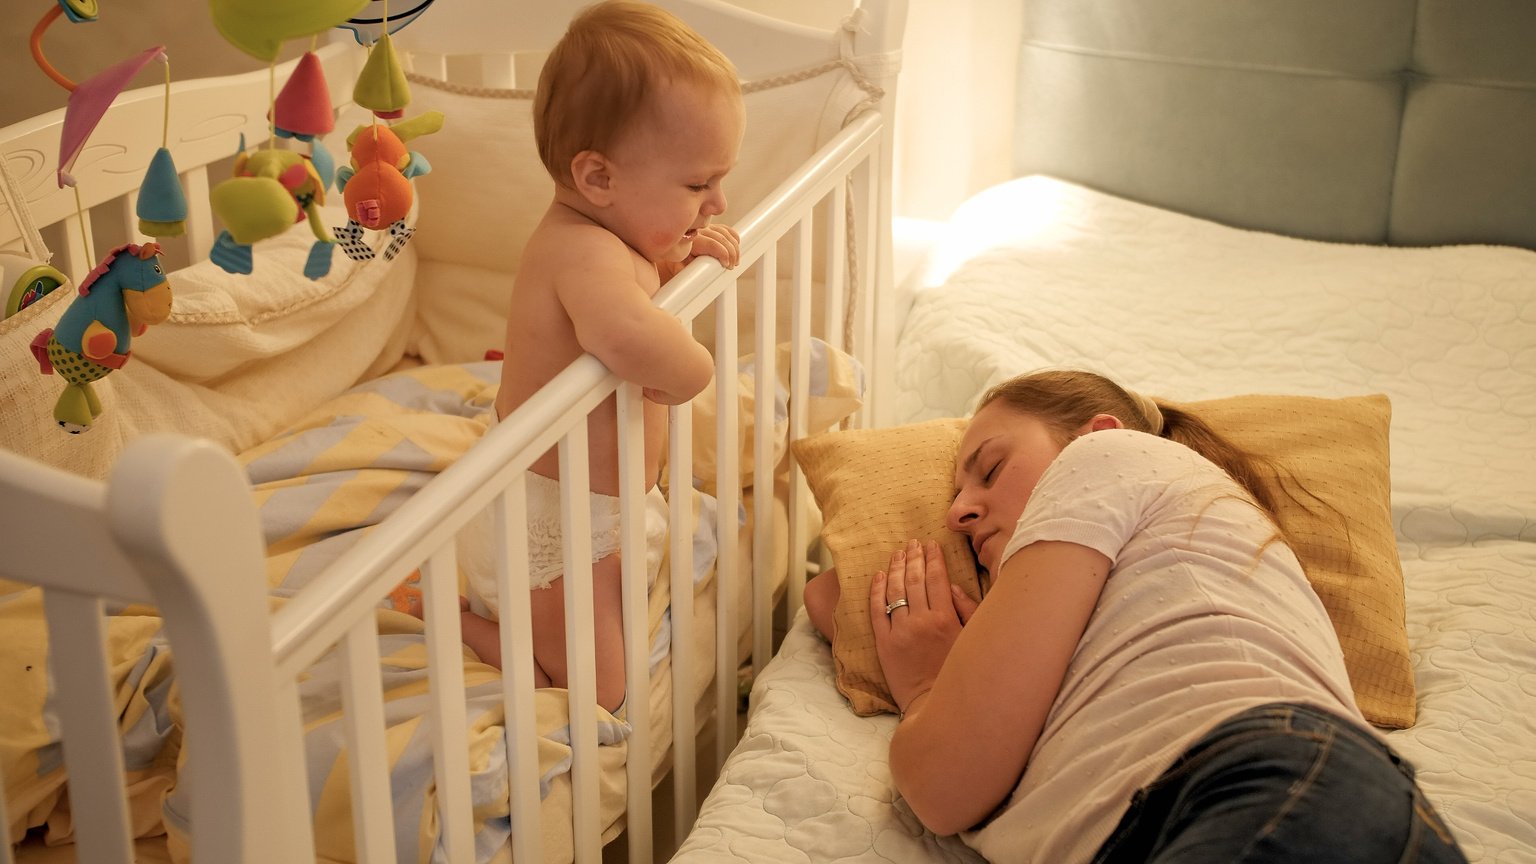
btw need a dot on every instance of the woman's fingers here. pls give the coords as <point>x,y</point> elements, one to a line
<point>965,607</point>
<point>936,578</point>
<point>914,577</point>
<point>878,619</point>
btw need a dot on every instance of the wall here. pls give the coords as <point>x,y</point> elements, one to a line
<point>955,102</point>
<point>124,28</point>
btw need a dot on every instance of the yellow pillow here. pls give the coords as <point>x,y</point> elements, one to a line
<point>877,488</point>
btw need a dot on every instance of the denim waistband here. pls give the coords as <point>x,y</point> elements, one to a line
<point>1301,719</point>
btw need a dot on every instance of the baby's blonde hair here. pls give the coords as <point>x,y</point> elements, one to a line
<point>603,73</point>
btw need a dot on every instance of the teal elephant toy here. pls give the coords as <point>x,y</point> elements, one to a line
<point>118,300</point>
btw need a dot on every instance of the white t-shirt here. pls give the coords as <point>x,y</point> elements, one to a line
<point>1190,629</point>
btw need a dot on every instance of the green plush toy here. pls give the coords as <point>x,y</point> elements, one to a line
<point>271,190</point>
<point>259,27</point>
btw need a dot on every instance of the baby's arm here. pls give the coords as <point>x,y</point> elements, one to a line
<point>616,319</point>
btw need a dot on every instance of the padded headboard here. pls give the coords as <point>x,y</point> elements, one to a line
<point>1407,122</point>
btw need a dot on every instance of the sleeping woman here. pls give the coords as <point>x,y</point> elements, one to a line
<point>1150,677</point>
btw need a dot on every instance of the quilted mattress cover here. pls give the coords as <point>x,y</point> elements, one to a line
<point>1038,272</point>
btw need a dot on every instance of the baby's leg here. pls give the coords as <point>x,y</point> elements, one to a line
<point>608,619</point>
<point>480,634</point>
<point>483,636</point>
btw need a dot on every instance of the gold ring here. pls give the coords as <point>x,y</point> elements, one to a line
<point>892,607</point>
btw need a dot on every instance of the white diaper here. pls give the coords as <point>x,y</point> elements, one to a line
<point>546,558</point>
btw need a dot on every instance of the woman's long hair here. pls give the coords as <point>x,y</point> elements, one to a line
<point>1065,400</point>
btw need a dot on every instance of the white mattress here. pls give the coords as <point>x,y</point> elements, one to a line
<point>1038,272</point>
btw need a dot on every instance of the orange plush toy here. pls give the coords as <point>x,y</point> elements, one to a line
<point>377,185</point>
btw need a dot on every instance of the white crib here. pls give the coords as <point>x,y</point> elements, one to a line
<point>175,525</point>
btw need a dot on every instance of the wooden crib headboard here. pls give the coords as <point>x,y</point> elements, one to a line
<point>1389,121</point>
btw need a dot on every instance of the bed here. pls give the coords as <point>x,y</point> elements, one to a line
<point>1306,203</point>
<point>311,447</point>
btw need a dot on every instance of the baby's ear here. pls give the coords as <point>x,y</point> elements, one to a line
<point>591,176</point>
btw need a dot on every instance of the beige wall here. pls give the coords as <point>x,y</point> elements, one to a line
<point>125,27</point>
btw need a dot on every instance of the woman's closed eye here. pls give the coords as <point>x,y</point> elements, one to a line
<point>698,187</point>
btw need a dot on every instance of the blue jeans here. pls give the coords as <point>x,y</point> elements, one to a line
<point>1283,783</point>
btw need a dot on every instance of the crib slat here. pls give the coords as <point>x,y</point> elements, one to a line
<point>93,755</point>
<point>799,399</point>
<point>580,656</point>
<point>450,748</point>
<point>496,70</point>
<point>130,203</point>
<point>199,213</point>
<point>762,461</point>
<point>727,504</point>
<point>5,826</point>
<point>866,203</point>
<point>685,791</point>
<point>5,821</point>
<point>837,264</point>
<point>298,841</point>
<point>362,702</point>
<point>78,238</point>
<point>637,653</point>
<point>510,512</point>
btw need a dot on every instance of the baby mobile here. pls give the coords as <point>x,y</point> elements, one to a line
<point>273,188</point>
<point>127,292</point>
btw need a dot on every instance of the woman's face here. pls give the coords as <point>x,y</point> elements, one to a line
<point>1001,457</point>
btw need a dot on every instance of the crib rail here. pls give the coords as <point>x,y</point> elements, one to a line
<point>164,509</point>
<point>338,605</point>
<point>260,714</point>
<point>176,526</point>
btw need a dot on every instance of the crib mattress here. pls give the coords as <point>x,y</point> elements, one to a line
<point>1039,272</point>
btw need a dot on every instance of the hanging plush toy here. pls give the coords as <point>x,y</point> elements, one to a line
<point>302,108</point>
<point>118,300</point>
<point>271,190</point>
<point>302,111</point>
<point>259,27</point>
<point>376,186</point>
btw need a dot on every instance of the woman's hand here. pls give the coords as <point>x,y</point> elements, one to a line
<point>925,617</point>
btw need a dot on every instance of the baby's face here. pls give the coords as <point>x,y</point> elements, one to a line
<point>668,173</point>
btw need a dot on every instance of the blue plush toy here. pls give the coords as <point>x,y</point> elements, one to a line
<point>118,300</point>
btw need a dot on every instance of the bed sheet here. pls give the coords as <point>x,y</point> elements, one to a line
<point>810,780</point>
<point>1039,272</point>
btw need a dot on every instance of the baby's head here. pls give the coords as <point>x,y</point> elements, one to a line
<point>603,75</point>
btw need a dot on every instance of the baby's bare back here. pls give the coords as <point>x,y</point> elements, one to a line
<point>544,335</point>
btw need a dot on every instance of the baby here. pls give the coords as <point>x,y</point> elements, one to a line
<point>638,120</point>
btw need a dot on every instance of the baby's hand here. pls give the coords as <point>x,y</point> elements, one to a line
<point>661,397</point>
<point>720,242</point>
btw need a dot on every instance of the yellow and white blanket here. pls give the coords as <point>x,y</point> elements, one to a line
<point>320,485</point>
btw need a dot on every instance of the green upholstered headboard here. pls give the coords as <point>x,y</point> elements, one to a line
<point>1407,122</point>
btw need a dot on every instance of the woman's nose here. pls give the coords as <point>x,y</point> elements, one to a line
<point>961,514</point>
